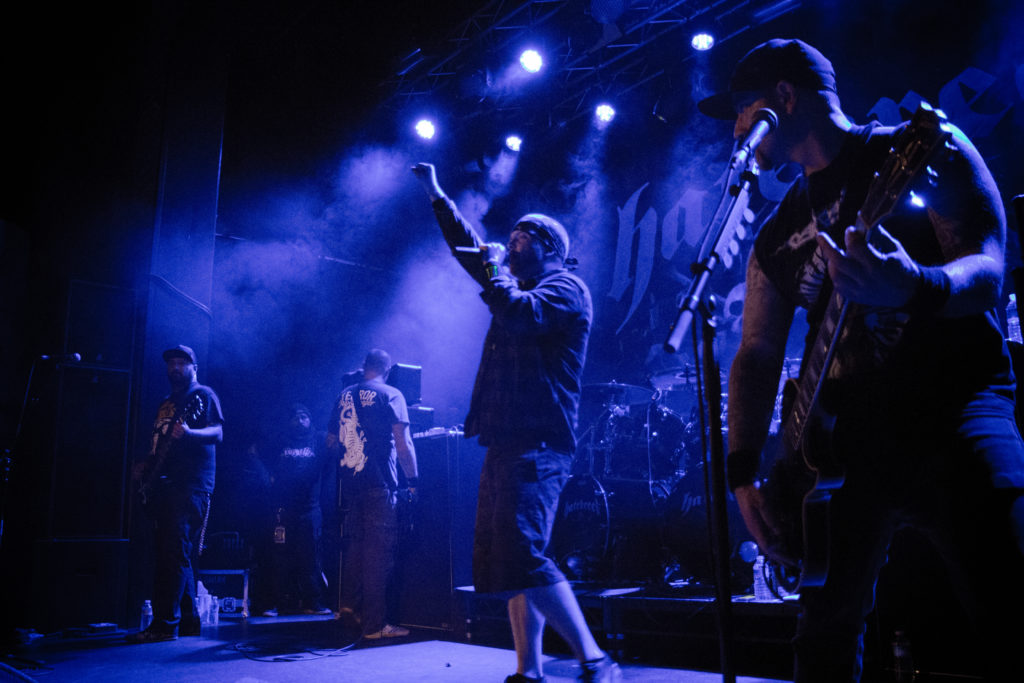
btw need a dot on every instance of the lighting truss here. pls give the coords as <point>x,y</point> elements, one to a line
<point>585,59</point>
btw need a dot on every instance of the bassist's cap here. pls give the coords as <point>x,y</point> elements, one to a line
<point>767,64</point>
<point>181,351</point>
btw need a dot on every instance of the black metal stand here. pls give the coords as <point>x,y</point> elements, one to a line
<point>697,302</point>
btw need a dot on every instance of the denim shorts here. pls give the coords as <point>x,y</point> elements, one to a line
<point>516,508</point>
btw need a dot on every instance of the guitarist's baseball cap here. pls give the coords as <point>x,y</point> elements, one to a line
<point>181,351</point>
<point>770,62</point>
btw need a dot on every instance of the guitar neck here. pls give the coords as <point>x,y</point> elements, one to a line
<point>815,370</point>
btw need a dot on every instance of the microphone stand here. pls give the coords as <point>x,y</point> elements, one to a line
<point>7,459</point>
<point>723,229</point>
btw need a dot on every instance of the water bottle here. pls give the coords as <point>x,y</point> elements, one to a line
<point>761,591</point>
<point>146,616</point>
<point>902,661</point>
<point>1013,321</point>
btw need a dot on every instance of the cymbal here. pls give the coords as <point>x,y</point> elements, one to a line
<point>614,393</point>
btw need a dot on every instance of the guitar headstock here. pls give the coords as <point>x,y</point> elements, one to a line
<point>913,148</point>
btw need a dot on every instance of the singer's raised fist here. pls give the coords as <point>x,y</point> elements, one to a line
<point>427,175</point>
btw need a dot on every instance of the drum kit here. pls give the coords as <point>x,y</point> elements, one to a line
<point>635,507</point>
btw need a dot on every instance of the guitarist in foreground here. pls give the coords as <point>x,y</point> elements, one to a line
<point>912,422</point>
<point>176,480</point>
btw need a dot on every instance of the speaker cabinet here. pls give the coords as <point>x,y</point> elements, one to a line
<point>90,447</point>
<point>435,555</point>
<point>76,582</point>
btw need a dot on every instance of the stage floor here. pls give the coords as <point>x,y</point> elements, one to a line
<point>300,649</point>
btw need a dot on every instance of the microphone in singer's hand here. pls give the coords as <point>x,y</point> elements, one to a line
<point>493,251</point>
<point>765,121</point>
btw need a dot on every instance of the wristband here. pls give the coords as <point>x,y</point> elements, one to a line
<point>741,468</point>
<point>492,270</point>
<point>932,291</point>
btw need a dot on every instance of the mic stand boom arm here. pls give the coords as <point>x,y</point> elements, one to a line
<point>724,228</point>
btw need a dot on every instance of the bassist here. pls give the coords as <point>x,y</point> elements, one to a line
<point>914,424</point>
<point>179,475</point>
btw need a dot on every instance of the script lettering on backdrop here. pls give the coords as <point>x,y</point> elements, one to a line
<point>684,225</point>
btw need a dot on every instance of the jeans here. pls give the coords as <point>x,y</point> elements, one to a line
<point>958,483</point>
<point>371,533</point>
<point>178,518</point>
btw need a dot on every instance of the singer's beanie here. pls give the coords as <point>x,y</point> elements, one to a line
<point>770,62</point>
<point>550,231</point>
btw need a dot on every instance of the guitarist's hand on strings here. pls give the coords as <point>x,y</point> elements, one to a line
<point>879,274</point>
<point>178,431</point>
<point>760,524</point>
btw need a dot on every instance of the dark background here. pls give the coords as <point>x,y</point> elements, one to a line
<point>233,176</point>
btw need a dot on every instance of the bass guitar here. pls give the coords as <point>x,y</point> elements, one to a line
<point>155,464</point>
<point>807,429</point>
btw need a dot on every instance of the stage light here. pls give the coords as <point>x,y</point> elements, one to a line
<point>426,129</point>
<point>917,200</point>
<point>604,113</point>
<point>531,61</point>
<point>514,143</point>
<point>702,40</point>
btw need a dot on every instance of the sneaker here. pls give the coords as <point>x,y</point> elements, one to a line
<point>149,636</point>
<point>603,670</point>
<point>389,631</point>
<point>320,609</point>
<point>189,627</point>
<point>523,678</point>
<point>272,612</point>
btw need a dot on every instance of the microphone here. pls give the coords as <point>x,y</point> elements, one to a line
<point>482,249</point>
<point>492,251</point>
<point>765,121</point>
<point>62,357</point>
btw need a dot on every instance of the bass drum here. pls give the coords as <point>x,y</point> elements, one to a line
<point>582,528</point>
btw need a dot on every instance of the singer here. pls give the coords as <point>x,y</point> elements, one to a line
<point>523,410</point>
<point>921,388</point>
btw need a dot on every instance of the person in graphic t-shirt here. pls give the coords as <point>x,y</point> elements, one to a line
<point>177,478</point>
<point>369,428</point>
<point>295,465</point>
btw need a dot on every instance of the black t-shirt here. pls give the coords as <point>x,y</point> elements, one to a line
<point>189,464</point>
<point>888,362</point>
<point>362,419</point>
<point>298,463</point>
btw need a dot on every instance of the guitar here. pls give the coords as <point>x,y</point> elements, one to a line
<point>154,466</point>
<point>807,429</point>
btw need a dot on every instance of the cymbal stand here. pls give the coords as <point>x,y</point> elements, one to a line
<point>725,225</point>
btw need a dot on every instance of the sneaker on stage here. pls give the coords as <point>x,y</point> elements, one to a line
<point>150,635</point>
<point>189,627</point>
<point>389,631</point>
<point>603,670</point>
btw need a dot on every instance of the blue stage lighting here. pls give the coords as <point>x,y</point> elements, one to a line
<point>514,143</point>
<point>702,40</point>
<point>531,61</point>
<point>425,129</point>
<point>604,113</point>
